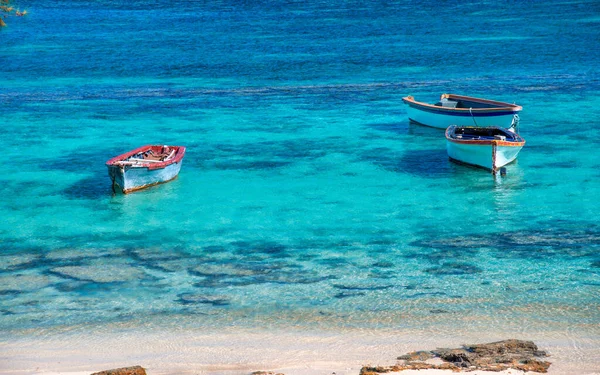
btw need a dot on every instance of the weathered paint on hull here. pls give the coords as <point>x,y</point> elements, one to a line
<point>443,120</point>
<point>136,178</point>
<point>482,155</point>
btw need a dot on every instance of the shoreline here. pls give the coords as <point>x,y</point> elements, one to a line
<point>238,351</point>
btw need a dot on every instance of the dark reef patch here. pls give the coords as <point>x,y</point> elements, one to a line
<point>532,244</point>
<point>266,155</point>
<point>452,268</point>
<point>97,186</point>
<point>342,295</point>
<point>271,249</point>
<point>383,264</point>
<point>334,262</point>
<point>424,294</point>
<point>362,288</point>
<point>249,164</point>
<point>423,163</point>
<point>195,299</point>
<point>10,292</point>
<point>436,256</point>
<point>392,127</point>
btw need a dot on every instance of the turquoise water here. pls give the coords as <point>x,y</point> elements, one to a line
<point>306,198</point>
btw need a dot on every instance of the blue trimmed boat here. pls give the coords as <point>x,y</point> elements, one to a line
<point>488,147</point>
<point>145,166</point>
<point>463,111</point>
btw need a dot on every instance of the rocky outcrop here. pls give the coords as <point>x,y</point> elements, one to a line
<point>495,356</point>
<point>135,370</point>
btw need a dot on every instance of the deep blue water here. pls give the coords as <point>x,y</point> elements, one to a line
<point>306,197</point>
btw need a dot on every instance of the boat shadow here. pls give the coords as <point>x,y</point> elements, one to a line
<point>427,132</point>
<point>409,127</point>
<point>435,163</point>
<point>93,187</point>
<point>96,184</point>
<point>429,163</point>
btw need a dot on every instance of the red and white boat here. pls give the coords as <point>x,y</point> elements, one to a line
<point>145,166</point>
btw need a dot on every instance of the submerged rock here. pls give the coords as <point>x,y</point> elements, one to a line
<point>454,268</point>
<point>495,356</point>
<point>223,270</point>
<point>69,255</point>
<point>192,299</point>
<point>24,282</point>
<point>135,370</point>
<point>19,261</point>
<point>107,273</point>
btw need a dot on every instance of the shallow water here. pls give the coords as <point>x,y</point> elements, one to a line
<point>306,198</point>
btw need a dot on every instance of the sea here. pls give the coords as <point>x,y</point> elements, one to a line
<point>307,200</point>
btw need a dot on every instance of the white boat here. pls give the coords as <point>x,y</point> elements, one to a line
<point>145,166</point>
<point>463,111</point>
<point>489,147</point>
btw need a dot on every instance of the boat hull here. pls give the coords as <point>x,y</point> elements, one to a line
<point>470,111</point>
<point>486,147</point>
<point>145,166</point>
<point>443,120</point>
<point>131,179</point>
<point>482,155</point>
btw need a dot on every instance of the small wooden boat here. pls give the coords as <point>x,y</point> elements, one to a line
<point>145,166</point>
<point>489,147</point>
<point>463,111</point>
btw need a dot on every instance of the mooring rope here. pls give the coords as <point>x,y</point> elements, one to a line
<point>494,143</point>
<point>515,123</point>
<point>473,117</point>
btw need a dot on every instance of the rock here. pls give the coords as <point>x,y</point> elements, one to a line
<point>376,370</point>
<point>534,365</point>
<point>460,357</point>
<point>420,355</point>
<point>495,356</point>
<point>504,347</point>
<point>135,370</point>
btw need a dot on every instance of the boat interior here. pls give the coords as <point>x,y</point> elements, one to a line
<point>460,103</point>
<point>483,133</point>
<point>153,155</point>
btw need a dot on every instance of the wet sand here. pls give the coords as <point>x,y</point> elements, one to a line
<point>242,351</point>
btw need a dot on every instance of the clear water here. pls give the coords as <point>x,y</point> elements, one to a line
<point>306,198</point>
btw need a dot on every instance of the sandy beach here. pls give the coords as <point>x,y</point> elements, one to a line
<point>238,352</point>
<point>405,372</point>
